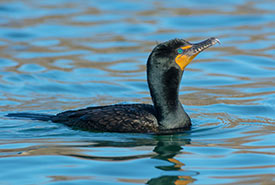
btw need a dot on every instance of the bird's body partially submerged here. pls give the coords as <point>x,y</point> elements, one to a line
<point>139,118</point>
<point>165,67</point>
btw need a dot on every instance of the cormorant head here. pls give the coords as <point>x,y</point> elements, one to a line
<point>165,66</point>
<point>177,53</point>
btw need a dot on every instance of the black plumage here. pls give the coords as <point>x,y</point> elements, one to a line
<point>165,67</point>
<point>112,118</point>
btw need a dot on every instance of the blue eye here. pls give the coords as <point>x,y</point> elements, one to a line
<point>180,51</point>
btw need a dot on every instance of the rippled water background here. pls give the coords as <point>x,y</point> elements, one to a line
<point>59,55</point>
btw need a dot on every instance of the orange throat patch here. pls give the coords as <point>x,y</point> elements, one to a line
<point>182,61</point>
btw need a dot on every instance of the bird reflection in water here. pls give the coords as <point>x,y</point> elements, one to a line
<point>167,148</point>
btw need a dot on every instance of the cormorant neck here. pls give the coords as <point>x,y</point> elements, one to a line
<point>164,89</point>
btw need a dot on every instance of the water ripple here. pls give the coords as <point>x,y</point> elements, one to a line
<point>69,54</point>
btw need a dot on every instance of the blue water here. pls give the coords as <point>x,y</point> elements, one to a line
<point>60,55</point>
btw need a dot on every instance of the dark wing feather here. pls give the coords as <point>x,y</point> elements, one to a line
<point>139,118</point>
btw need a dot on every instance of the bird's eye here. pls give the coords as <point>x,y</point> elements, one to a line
<point>180,51</point>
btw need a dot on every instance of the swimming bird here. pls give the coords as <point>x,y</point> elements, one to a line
<point>165,67</point>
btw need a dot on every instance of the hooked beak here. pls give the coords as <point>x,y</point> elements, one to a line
<point>199,47</point>
<point>192,50</point>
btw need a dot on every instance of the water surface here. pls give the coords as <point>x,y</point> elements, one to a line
<point>60,55</point>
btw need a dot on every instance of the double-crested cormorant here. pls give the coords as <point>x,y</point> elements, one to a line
<point>165,67</point>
